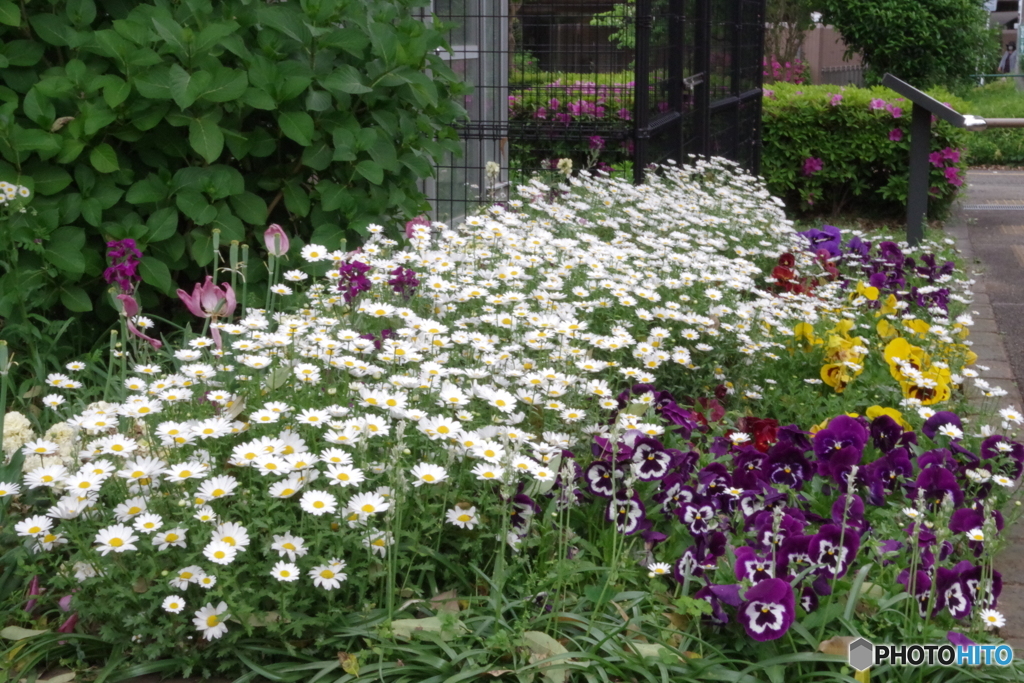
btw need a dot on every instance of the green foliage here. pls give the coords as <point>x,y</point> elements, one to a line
<point>863,169</point>
<point>941,42</point>
<point>163,121</point>
<point>998,146</point>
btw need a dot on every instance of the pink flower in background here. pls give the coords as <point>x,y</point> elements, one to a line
<point>896,134</point>
<point>410,227</point>
<point>836,99</point>
<point>554,103</point>
<point>625,114</point>
<point>935,158</point>
<point>541,113</point>
<point>596,142</point>
<point>951,154</point>
<point>812,165</point>
<point>877,103</point>
<point>953,176</point>
<point>895,111</point>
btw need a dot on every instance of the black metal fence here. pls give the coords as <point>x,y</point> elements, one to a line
<point>610,85</point>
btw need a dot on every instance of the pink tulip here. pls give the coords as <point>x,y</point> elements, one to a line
<point>276,240</point>
<point>211,301</point>
<point>69,624</point>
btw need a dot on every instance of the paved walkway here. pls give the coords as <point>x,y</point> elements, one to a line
<point>988,225</point>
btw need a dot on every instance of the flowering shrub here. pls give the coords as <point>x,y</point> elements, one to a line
<point>595,395</point>
<point>557,110</point>
<point>790,72</point>
<point>829,149</point>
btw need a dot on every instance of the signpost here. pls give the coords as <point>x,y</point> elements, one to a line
<point>920,133</point>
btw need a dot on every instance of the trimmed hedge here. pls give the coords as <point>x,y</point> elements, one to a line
<point>829,149</point>
<point>998,146</point>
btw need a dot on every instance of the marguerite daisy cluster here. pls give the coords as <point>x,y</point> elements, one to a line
<point>490,376</point>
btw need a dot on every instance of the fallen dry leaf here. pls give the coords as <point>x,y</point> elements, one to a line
<point>837,645</point>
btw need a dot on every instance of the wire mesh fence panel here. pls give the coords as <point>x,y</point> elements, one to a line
<point>610,86</point>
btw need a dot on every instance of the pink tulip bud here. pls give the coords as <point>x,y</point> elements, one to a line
<point>276,240</point>
<point>69,624</point>
<point>129,304</point>
<point>64,603</point>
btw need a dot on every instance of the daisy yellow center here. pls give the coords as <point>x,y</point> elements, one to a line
<point>171,538</point>
<point>327,574</point>
<point>220,554</point>
<point>378,542</point>
<point>35,530</point>
<point>116,542</point>
<point>271,466</point>
<point>428,477</point>
<point>85,485</point>
<point>217,493</point>
<point>287,492</point>
<point>342,476</point>
<point>185,575</point>
<point>318,504</point>
<point>285,573</point>
<point>173,605</point>
<point>288,546</point>
<point>229,540</point>
<point>185,473</point>
<point>117,447</point>
<point>443,430</point>
<point>149,525</point>
<point>464,517</point>
<point>138,473</point>
<point>368,508</point>
<point>212,620</point>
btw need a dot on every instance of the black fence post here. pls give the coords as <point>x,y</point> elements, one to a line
<point>702,91</point>
<point>917,188</point>
<point>642,89</point>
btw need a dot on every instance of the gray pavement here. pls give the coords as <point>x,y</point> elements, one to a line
<point>988,224</point>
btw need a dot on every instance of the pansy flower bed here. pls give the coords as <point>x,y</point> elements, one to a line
<point>598,424</point>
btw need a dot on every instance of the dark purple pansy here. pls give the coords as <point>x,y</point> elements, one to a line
<point>751,567</point>
<point>839,446</point>
<point>699,517</point>
<point>787,466</point>
<point>959,639</point>
<point>808,599</point>
<point>939,457</point>
<point>768,609</point>
<point>651,461</point>
<point>965,519</point>
<point>920,587</point>
<point>936,483</point>
<point>886,434</point>
<point>828,239</point>
<point>832,549</point>
<point>971,575</point>
<point>713,479</point>
<point>600,481</point>
<point>953,593</point>
<point>769,538</point>
<point>628,513</point>
<point>793,556</point>
<point>848,508</point>
<point>891,467</point>
<point>674,492</point>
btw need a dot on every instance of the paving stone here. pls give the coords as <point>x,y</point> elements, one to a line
<point>998,370</point>
<point>984,323</point>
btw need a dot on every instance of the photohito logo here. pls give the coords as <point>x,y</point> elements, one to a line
<point>864,654</point>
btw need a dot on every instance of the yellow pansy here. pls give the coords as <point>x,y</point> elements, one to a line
<point>867,291</point>
<point>878,411</point>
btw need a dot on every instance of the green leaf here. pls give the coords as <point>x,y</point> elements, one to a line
<point>298,125</point>
<point>19,633</point>
<point>116,92</point>
<point>186,87</point>
<point>149,189</point>
<point>51,28</point>
<point>206,138</point>
<point>155,84</point>
<point>103,158</point>
<point>258,98</point>
<point>250,208</point>
<point>50,179</point>
<point>346,79</point>
<point>194,205</point>
<point>64,250</point>
<point>75,299</point>
<point>81,12</point>
<point>162,224</point>
<point>406,628</point>
<point>371,170</point>
<point>23,52</point>
<point>227,85</point>
<point>295,198</point>
<point>154,272</point>
<point>10,15</point>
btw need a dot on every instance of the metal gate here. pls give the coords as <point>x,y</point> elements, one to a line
<point>614,86</point>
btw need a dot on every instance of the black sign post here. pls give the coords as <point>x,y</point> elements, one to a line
<point>920,132</point>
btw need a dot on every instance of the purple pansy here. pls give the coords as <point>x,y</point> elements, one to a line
<point>750,567</point>
<point>768,609</point>
<point>832,549</point>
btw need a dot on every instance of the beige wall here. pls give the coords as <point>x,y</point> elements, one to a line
<point>823,51</point>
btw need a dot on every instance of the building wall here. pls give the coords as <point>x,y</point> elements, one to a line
<point>823,51</point>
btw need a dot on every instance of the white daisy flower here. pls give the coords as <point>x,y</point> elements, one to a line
<point>210,620</point>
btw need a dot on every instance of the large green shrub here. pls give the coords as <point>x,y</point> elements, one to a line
<point>829,149</point>
<point>938,42</point>
<point>164,121</point>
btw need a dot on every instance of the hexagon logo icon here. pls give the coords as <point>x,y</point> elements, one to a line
<point>861,655</point>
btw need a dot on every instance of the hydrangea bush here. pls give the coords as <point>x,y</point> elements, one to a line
<point>657,399</point>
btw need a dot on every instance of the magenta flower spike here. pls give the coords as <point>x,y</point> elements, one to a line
<point>276,240</point>
<point>34,589</point>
